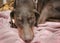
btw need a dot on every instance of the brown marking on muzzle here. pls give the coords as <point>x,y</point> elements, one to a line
<point>26,34</point>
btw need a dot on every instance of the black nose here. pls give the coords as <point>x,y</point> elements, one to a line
<point>27,41</point>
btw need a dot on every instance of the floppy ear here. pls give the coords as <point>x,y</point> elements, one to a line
<point>37,15</point>
<point>35,11</point>
<point>14,5</point>
<point>12,21</point>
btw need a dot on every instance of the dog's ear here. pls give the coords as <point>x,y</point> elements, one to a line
<point>12,22</point>
<point>14,5</point>
<point>35,11</point>
<point>37,15</point>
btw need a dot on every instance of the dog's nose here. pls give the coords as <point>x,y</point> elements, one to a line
<point>27,41</point>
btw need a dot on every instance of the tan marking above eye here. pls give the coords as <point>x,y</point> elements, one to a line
<point>19,18</point>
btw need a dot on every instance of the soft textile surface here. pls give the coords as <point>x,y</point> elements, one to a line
<point>44,33</point>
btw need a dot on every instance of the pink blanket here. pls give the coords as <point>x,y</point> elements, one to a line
<point>44,33</point>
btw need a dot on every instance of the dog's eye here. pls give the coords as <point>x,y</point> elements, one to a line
<point>20,20</point>
<point>31,20</point>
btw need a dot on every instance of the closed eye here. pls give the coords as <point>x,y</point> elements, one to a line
<point>20,21</point>
<point>31,19</point>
